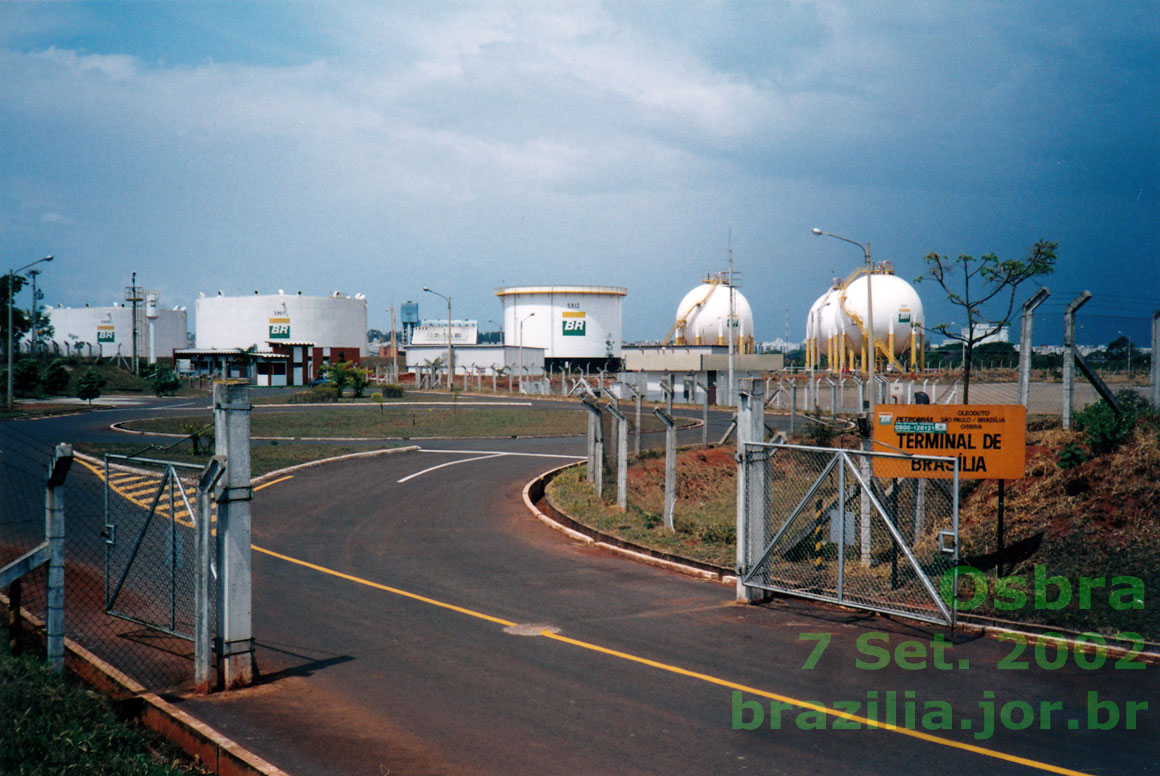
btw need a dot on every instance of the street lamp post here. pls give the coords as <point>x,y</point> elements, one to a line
<point>450,361</point>
<point>11,280</point>
<point>871,356</point>
<point>521,349</point>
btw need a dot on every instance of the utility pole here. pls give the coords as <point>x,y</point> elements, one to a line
<point>33,273</point>
<point>732,325</point>
<point>134,295</point>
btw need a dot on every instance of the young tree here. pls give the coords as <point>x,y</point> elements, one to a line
<point>359,379</point>
<point>89,385</point>
<point>339,375</point>
<point>994,282</point>
<point>163,380</point>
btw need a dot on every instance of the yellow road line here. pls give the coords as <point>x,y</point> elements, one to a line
<point>273,482</point>
<point>386,588</point>
<point>816,707</point>
<point>939,740</point>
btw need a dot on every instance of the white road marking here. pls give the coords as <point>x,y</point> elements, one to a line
<point>501,452</point>
<point>449,463</point>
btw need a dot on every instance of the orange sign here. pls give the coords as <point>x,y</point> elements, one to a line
<point>988,440</point>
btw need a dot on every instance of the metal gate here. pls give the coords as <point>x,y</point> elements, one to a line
<point>152,544</point>
<point>850,527</point>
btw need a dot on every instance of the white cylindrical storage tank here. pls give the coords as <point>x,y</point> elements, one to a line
<point>227,322</point>
<point>108,331</point>
<point>705,313</point>
<point>569,322</point>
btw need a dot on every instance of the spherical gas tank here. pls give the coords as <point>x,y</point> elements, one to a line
<point>897,309</point>
<point>705,311</point>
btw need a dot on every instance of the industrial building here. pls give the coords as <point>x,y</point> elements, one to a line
<point>837,323</point>
<point>576,326</point>
<point>276,339</point>
<point>107,332</point>
<point>429,348</point>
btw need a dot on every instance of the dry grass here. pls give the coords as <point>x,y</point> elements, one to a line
<point>1099,519</point>
<point>704,516</point>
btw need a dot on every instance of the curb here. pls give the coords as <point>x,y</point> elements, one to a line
<point>208,747</point>
<point>268,476</point>
<point>574,529</point>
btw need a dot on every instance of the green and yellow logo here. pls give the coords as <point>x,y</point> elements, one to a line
<point>574,324</point>
<point>279,328</point>
<point>106,334</point>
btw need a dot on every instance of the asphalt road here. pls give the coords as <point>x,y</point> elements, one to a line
<point>398,650</point>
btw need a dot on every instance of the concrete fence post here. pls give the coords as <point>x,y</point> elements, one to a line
<point>793,391</point>
<point>62,459</point>
<point>595,446</point>
<point>752,486</point>
<point>235,635</point>
<point>1025,345</point>
<point>203,544</point>
<point>704,412</point>
<point>621,458</point>
<point>670,466</point>
<point>1069,354</point>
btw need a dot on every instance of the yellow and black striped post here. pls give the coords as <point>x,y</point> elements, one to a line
<point>819,536</point>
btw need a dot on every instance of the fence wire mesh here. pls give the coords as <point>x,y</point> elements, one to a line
<point>158,588</point>
<point>829,524</point>
<point>150,560</point>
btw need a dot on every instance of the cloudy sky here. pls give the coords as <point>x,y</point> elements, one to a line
<point>382,147</point>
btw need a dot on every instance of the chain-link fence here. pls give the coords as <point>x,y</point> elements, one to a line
<point>128,589</point>
<point>24,465</point>
<point>850,527</point>
<point>837,394</point>
<point>150,543</point>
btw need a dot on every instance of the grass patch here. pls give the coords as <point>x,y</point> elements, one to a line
<point>31,410</point>
<point>117,379</point>
<point>311,396</point>
<point>264,458</point>
<point>705,514</point>
<point>394,422</point>
<point>53,725</point>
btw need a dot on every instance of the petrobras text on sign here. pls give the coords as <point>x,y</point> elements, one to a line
<point>987,439</point>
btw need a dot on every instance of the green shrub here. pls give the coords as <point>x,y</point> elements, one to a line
<point>1103,429</point>
<point>26,377</point>
<point>164,381</point>
<point>392,391</point>
<point>1071,456</point>
<point>55,377</point>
